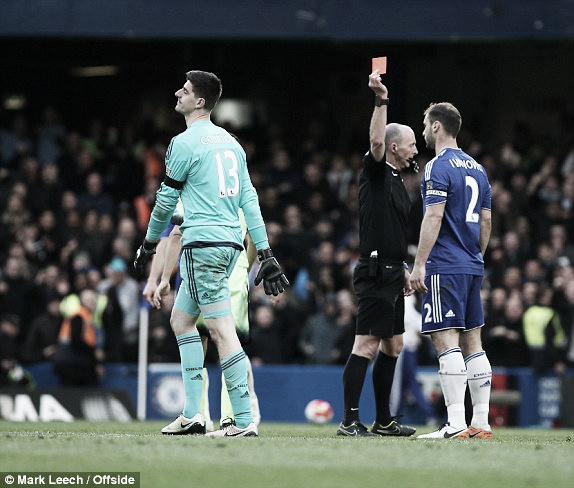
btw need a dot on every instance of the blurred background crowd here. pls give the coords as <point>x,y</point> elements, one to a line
<point>75,203</point>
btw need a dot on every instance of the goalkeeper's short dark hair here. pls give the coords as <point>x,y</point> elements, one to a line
<point>205,85</point>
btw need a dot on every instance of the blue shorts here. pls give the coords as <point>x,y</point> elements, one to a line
<point>205,275</point>
<point>452,302</point>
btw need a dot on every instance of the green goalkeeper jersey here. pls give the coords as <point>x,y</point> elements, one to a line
<point>207,166</point>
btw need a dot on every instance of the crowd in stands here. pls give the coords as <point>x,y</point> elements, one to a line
<point>74,205</point>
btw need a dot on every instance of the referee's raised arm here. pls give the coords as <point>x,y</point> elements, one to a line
<point>379,118</point>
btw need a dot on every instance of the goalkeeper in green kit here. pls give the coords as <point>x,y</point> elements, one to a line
<point>207,167</point>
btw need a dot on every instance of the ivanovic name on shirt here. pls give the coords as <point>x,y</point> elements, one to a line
<point>465,163</point>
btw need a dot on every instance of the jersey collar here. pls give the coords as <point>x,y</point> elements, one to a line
<point>395,170</point>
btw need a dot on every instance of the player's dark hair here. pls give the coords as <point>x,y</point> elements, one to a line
<point>205,85</point>
<point>447,114</point>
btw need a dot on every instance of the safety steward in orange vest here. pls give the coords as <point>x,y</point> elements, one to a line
<point>75,360</point>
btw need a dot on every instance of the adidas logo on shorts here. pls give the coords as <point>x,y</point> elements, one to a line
<point>450,314</point>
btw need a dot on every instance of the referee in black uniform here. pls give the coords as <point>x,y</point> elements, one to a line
<point>381,279</point>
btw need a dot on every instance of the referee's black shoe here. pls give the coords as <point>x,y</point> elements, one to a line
<point>393,429</point>
<point>355,429</point>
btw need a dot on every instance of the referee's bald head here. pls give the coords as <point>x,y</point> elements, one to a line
<point>395,132</point>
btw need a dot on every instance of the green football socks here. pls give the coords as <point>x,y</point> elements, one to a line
<point>234,369</point>
<point>191,353</point>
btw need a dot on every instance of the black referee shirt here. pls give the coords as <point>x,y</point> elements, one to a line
<point>384,206</point>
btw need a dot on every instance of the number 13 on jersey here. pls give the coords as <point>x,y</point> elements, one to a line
<point>228,159</point>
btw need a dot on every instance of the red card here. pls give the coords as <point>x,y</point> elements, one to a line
<point>380,64</point>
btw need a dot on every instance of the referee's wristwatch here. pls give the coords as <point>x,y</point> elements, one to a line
<point>380,101</point>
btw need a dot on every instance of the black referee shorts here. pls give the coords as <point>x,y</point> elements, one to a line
<point>381,300</point>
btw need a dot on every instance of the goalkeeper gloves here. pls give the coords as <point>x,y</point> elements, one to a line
<point>143,256</point>
<point>274,281</point>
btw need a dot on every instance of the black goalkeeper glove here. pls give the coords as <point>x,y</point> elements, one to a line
<point>274,281</point>
<point>143,256</point>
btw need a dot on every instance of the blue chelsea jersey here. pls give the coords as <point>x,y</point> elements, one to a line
<point>457,179</point>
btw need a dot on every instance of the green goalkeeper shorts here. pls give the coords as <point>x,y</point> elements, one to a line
<point>239,295</point>
<point>204,286</point>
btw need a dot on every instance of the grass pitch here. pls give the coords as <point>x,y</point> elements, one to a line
<point>291,455</point>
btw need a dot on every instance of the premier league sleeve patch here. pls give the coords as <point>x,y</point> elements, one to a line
<point>430,191</point>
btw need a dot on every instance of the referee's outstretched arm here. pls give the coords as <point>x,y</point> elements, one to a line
<point>379,118</point>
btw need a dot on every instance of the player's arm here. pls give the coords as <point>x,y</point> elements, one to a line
<point>430,228</point>
<point>155,271</point>
<point>379,117</point>
<point>166,200</point>
<point>485,228</point>
<point>173,248</point>
<point>270,272</point>
<point>250,250</point>
<point>163,209</point>
<point>409,290</point>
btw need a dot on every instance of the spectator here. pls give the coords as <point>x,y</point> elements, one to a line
<point>11,373</point>
<point>16,141</point>
<point>544,334</point>
<point>345,321</point>
<point>50,136</point>
<point>494,310</point>
<point>514,255</point>
<point>42,339</point>
<point>504,339</point>
<point>267,338</point>
<point>533,271</point>
<point>15,215</point>
<point>320,334</point>
<point>77,360</point>
<point>51,281</point>
<point>569,327</point>
<point>18,293</point>
<point>561,248</point>
<point>92,240</point>
<point>281,175</point>
<point>314,184</point>
<point>9,332</point>
<point>339,176</point>
<point>127,293</point>
<point>143,204</point>
<point>271,207</point>
<point>95,197</point>
<point>294,241</point>
<point>76,163</point>
<point>48,234</point>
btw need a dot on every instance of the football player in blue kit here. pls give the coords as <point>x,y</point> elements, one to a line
<point>449,269</point>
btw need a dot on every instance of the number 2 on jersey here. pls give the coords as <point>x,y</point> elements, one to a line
<point>225,191</point>
<point>471,215</point>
